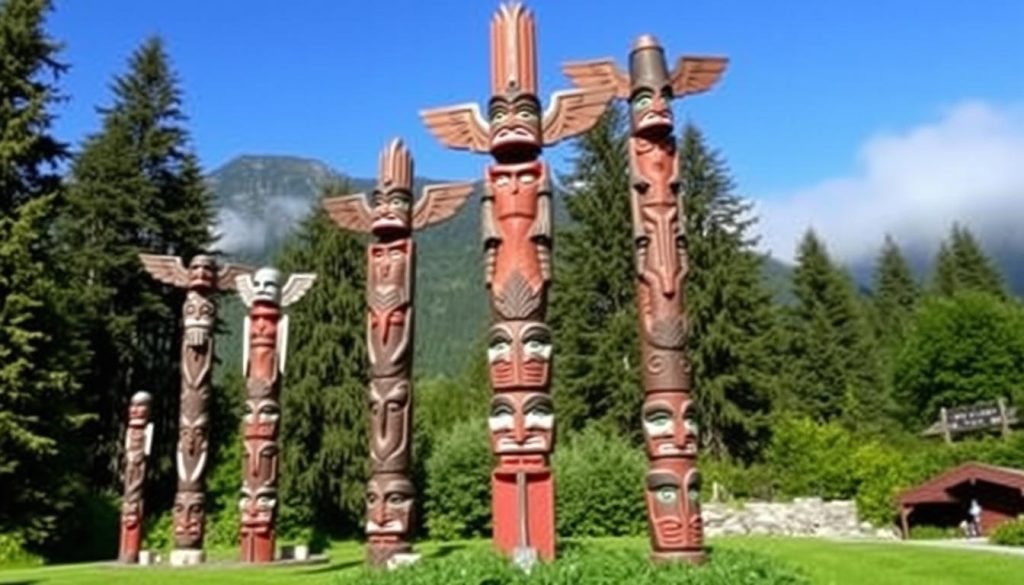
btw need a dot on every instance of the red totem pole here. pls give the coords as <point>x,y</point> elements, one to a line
<point>391,272</point>
<point>203,280</point>
<point>670,430</point>
<point>517,250</point>
<point>138,439</point>
<point>264,350</point>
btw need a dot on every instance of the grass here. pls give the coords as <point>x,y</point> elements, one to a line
<point>826,562</point>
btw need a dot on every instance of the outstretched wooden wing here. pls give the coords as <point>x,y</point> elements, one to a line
<point>167,269</point>
<point>697,74</point>
<point>574,111</point>
<point>246,289</point>
<point>460,127</point>
<point>350,212</point>
<point>297,286</point>
<point>439,202</point>
<point>228,273</point>
<point>598,73</point>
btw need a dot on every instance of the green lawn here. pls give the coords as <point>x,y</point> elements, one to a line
<point>828,563</point>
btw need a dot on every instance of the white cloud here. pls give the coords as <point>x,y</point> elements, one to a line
<point>244,231</point>
<point>968,167</point>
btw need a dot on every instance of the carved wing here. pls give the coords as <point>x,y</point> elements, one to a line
<point>697,74</point>
<point>439,202</point>
<point>245,288</point>
<point>297,286</point>
<point>461,127</point>
<point>166,269</point>
<point>598,73</point>
<point>350,212</point>
<point>228,273</point>
<point>574,111</point>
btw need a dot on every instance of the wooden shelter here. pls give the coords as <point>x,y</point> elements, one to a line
<point>945,499</point>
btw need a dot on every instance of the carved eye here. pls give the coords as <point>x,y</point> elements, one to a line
<point>525,115</point>
<point>502,180</point>
<point>396,499</point>
<point>643,102</point>
<point>667,494</point>
<point>658,422</point>
<point>527,178</point>
<point>371,498</point>
<point>499,117</point>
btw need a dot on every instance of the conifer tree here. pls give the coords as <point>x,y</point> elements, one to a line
<point>135,187</point>
<point>732,323</point>
<point>962,265</point>
<point>896,294</point>
<point>833,368</point>
<point>39,456</point>
<point>593,314</point>
<point>323,401</point>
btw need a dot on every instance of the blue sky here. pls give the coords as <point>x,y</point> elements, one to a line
<point>811,84</point>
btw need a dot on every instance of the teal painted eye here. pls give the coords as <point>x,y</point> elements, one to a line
<point>642,103</point>
<point>667,494</point>
<point>499,117</point>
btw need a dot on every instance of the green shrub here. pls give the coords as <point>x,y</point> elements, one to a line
<point>927,532</point>
<point>157,532</point>
<point>1009,533</point>
<point>881,473</point>
<point>13,553</point>
<point>812,459</point>
<point>583,566</point>
<point>599,486</point>
<point>458,492</point>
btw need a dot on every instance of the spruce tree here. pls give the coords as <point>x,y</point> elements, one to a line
<point>323,401</point>
<point>896,294</point>
<point>833,372</point>
<point>39,448</point>
<point>732,322</point>
<point>593,313</point>
<point>135,187</point>
<point>962,265</point>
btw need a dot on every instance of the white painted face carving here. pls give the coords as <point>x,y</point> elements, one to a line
<point>267,285</point>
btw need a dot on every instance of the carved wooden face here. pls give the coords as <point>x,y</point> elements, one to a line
<point>389,505</point>
<point>389,424</point>
<point>131,514</point>
<point>389,326</point>
<point>202,272</point>
<point>519,353</point>
<point>260,418</point>
<point>138,412</point>
<point>515,124</point>
<point>669,427</point>
<point>521,423</point>
<point>650,110</point>
<point>192,436</point>
<point>267,285</point>
<point>392,212</point>
<point>515,188</point>
<point>661,243</point>
<point>188,514</point>
<point>263,320</point>
<point>260,461</point>
<point>199,311</point>
<point>258,506</point>
<point>673,504</point>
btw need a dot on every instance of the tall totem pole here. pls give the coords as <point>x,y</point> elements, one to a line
<point>391,273</point>
<point>670,430</point>
<point>517,251</point>
<point>203,280</point>
<point>264,352</point>
<point>138,440</point>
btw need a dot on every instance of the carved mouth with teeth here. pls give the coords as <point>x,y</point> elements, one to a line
<point>508,445</point>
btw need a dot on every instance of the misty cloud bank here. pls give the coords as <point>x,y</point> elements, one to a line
<point>244,231</point>
<point>967,167</point>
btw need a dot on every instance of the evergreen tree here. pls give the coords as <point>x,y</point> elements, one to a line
<point>732,323</point>
<point>962,265</point>
<point>833,368</point>
<point>323,402</point>
<point>39,457</point>
<point>896,294</point>
<point>593,313</point>
<point>135,187</point>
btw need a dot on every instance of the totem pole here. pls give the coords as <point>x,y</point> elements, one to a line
<point>264,351</point>
<point>138,439</point>
<point>203,280</point>
<point>517,251</point>
<point>391,274</point>
<point>670,430</point>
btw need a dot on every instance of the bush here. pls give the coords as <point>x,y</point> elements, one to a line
<point>1009,533</point>
<point>926,532</point>
<point>599,486</point>
<point>811,459</point>
<point>587,565</point>
<point>13,553</point>
<point>458,492</point>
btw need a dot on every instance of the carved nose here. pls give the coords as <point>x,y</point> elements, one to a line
<point>377,514</point>
<point>520,432</point>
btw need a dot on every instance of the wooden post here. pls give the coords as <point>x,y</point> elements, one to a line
<point>945,426</point>
<point>1004,416</point>
<point>904,521</point>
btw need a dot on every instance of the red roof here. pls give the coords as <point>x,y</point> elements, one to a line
<point>936,489</point>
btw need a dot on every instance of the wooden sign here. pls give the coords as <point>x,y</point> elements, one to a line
<point>973,417</point>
